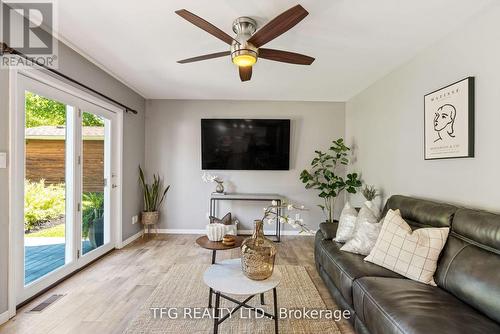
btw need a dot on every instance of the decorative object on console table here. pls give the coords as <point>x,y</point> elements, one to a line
<point>449,121</point>
<point>258,252</point>
<point>273,198</point>
<point>208,178</point>
<point>326,177</point>
<point>220,186</point>
<point>153,195</point>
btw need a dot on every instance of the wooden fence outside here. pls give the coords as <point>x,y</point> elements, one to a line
<point>45,159</point>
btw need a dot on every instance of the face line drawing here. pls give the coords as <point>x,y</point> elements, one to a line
<point>444,121</point>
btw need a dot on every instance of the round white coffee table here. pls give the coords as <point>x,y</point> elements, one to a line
<point>226,277</point>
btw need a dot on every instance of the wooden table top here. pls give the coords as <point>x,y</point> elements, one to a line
<point>218,245</point>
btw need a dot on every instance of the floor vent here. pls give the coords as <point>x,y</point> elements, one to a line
<point>46,303</point>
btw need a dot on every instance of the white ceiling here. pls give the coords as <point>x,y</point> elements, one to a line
<point>355,42</point>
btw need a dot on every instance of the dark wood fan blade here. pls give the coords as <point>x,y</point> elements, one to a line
<point>279,25</point>
<point>202,24</point>
<point>205,57</point>
<point>245,73</point>
<point>285,56</point>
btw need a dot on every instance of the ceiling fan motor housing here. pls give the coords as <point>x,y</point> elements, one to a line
<point>244,27</point>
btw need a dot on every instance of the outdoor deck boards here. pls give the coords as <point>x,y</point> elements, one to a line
<point>41,260</point>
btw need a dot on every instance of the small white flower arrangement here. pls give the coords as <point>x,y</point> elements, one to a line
<point>210,178</point>
<point>270,215</point>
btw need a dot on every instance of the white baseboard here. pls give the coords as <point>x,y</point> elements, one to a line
<point>4,317</point>
<point>203,231</point>
<point>131,239</point>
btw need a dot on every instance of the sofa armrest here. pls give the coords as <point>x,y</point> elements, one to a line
<point>329,230</point>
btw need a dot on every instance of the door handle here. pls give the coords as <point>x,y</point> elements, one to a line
<point>114,186</point>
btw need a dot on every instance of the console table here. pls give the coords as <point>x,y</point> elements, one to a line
<point>250,198</point>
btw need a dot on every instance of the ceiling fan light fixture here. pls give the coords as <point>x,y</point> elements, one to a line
<point>244,60</point>
<point>246,46</point>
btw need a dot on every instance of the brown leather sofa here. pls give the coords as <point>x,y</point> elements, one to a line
<point>467,298</point>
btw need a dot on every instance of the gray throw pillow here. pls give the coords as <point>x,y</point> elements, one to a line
<point>226,220</point>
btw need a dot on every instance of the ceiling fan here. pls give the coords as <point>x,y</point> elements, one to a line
<point>246,46</point>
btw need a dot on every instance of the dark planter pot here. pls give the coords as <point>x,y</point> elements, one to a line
<point>96,233</point>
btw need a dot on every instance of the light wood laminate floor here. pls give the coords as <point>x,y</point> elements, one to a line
<point>104,297</point>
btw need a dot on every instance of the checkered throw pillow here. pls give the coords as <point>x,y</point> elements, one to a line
<point>413,254</point>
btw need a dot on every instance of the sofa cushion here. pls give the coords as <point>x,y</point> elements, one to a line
<point>391,305</point>
<point>344,267</point>
<point>469,266</point>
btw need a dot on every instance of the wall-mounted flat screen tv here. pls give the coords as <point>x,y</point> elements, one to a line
<point>245,144</point>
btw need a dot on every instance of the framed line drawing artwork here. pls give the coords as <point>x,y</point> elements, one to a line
<point>449,121</point>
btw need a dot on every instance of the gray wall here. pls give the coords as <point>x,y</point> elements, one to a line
<point>77,67</point>
<point>173,149</point>
<point>385,122</point>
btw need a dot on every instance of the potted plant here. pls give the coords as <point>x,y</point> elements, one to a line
<point>153,194</point>
<point>93,218</point>
<point>325,176</point>
<point>369,192</point>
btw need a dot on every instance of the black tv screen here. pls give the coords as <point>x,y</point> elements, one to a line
<point>245,144</point>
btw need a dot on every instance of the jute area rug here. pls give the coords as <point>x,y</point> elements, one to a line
<point>183,293</point>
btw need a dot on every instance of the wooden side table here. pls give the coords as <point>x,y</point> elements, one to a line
<point>214,246</point>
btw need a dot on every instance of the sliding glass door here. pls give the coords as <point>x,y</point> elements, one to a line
<point>45,191</point>
<point>65,156</point>
<point>95,173</point>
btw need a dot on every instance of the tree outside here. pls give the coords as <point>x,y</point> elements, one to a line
<point>41,111</point>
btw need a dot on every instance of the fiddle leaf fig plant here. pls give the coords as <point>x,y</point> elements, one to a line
<point>325,176</point>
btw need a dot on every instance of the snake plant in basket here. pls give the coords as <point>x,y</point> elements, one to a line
<point>154,195</point>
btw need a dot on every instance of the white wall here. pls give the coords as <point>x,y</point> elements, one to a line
<point>385,121</point>
<point>4,188</point>
<point>173,149</point>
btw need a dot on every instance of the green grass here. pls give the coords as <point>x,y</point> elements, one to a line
<point>52,232</point>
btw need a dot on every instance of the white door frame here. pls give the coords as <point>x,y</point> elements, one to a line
<point>16,172</point>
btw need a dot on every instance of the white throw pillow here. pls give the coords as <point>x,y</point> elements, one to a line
<point>365,232</point>
<point>413,254</point>
<point>347,222</point>
<point>372,206</point>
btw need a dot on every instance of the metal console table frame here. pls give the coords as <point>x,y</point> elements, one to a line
<point>249,198</point>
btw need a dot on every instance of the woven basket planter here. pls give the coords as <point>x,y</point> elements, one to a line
<point>150,218</point>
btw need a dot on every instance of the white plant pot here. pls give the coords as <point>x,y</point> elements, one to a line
<point>215,232</point>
